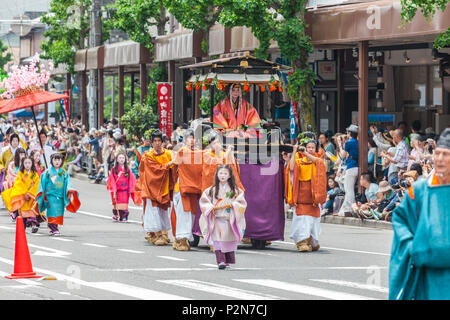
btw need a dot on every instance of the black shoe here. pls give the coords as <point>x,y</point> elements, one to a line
<point>222,266</point>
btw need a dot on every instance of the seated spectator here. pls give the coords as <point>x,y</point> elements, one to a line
<point>75,165</point>
<point>417,168</point>
<point>372,197</point>
<point>332,190</point>
<point>389,201</point>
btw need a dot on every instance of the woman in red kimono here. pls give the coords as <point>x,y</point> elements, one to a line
<point>121,184</point>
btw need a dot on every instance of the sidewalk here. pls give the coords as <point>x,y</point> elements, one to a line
<point>368,223</point>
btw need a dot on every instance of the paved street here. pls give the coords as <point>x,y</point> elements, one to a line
<point>98,259</point>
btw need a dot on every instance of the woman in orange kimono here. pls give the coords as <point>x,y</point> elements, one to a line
<point>306,192</point>
<point>234,112</point>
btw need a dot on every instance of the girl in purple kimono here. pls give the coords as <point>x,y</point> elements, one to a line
<point>121,184</point>
<point>222,221</point>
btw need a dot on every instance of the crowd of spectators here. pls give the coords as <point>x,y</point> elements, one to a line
<point>397,157</point>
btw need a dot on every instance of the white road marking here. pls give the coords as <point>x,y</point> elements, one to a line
<point>65,293</point>
<point>131,251</point>
<point>49,252</point>
<point>62,239</point>
<point>209,265</point>
<point>346,268</point>
<point>171,269</point>
<point>94,245</point>
<point>256,252</point>
<point>171,258</point>
<point>339,249</point>
<point>136,292</point>
<point>104,217</point>
<point>7,228</point>
<point>308,290</point>
<point>221,290</point>
<point>156,269</point>
<point>19,286</point>
<point>135,208</point>
<point>115,287</point>
<point>353,285</point>
<point>27,282</point>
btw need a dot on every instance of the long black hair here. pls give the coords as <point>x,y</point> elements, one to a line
<point>19,150</point>
<point>22,165</point>
<point>125,164</point>
<point>32,156</point>
<point>231,182</point>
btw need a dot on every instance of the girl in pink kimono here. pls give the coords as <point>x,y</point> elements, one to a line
<point>121,183</point>
<point>222,221</point>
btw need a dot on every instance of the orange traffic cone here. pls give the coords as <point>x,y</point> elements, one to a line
<point>22,260</point>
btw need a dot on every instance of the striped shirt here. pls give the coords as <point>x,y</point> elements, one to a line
<point>401,155</point>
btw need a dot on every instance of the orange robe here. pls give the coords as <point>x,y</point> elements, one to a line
<point>224,115</point>
<point>189,174</point>
<point>309,185</point>
<point>210,164</point>
<point>156,178</point>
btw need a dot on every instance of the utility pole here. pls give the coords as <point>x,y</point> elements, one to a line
<point>113,96</point>
<point>95,39</point>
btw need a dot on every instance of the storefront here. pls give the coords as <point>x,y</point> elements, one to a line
<point>377,71</point>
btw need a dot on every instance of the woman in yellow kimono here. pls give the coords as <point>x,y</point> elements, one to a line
<point>20,198</point>
<point>306,193</point>
<point>11,174</point>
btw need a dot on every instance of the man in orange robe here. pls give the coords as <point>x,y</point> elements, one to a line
<point>306,192</point>
<point>234,112</point>
<point>187,191</point>
<point>156,184</point>
<point>214,156</point>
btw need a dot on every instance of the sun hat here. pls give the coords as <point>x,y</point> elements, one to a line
<point>384,187</point>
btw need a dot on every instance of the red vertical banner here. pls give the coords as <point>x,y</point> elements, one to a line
<point>165,108</point>
<point>66,105</point>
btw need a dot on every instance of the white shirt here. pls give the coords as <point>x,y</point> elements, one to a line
<point>48,151</point>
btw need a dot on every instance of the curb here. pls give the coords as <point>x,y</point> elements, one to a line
<point>84,177</point>
<point>368,223</point>
<point>349,221</point>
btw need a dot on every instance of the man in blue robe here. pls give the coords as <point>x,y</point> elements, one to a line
<point>420,258</point>
<point>140,152</point>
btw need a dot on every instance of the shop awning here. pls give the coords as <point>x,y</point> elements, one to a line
<point>95,58</point>
<point>179,45</point>
<point>125,53</point>
<point>375,21</point>
<point>80,60</point>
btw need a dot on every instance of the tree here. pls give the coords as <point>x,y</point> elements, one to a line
<point>428,9</point>
<point>284,22</point>
<point>137,17</point>
<point>68,22</point>
<point>4,58</point>
<point>126,96</point>
<point>139,119</point>
<point>198,15</point>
